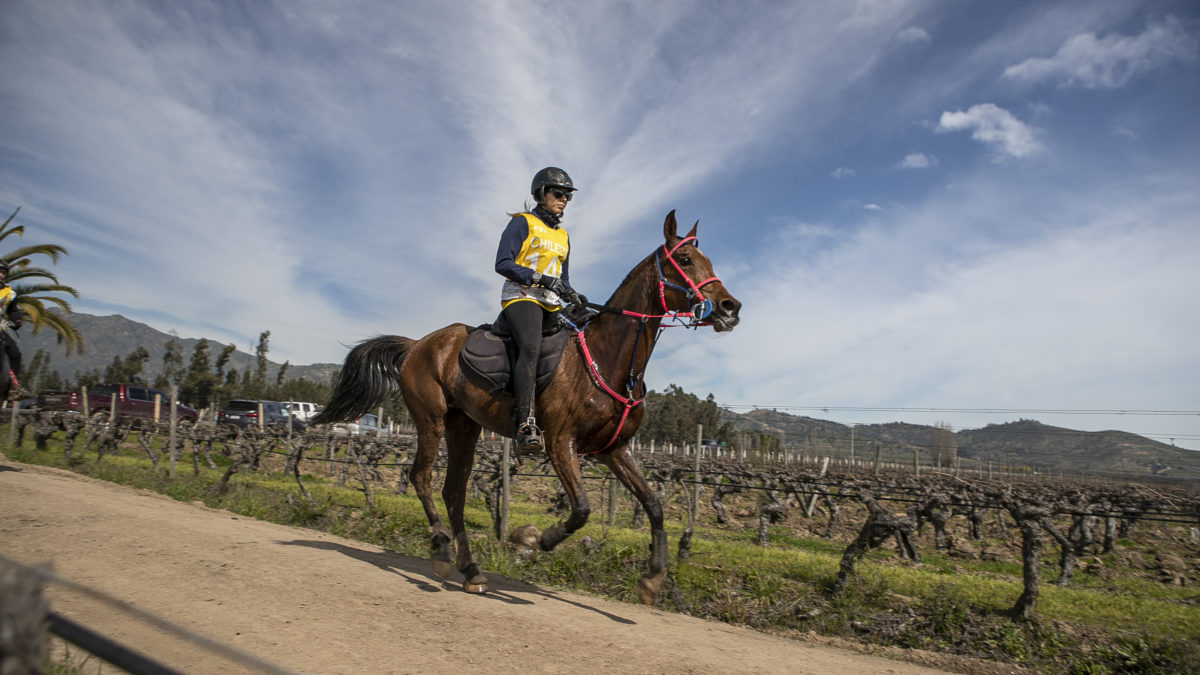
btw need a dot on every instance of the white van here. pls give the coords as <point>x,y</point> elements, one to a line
<point>303,410</point>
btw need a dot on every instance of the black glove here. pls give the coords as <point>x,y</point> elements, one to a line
<point>553,284</point>
<point>575,298</point>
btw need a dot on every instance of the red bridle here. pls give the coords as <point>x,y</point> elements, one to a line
<point>696,313</point>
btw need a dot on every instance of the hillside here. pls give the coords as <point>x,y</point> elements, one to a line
<point>109,336</point>
<point>1118,451</point>
<point>1025,443</point>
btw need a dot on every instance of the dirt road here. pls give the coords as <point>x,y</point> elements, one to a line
<point>315,603</point>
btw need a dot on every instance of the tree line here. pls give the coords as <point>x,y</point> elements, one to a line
<point>672,416</point>
<point>206,381</point>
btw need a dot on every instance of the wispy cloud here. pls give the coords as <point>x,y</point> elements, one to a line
<point>1110,61</point>
<point>921,308</point>
<point>914,35</point>
<point>331,173</point>
<point>319,166</point>
<point>995,127</point>
<point>917,160</point>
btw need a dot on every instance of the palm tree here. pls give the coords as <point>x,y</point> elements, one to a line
<point>34,295</point>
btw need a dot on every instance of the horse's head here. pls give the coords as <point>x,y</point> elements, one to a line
<point>689,280</point>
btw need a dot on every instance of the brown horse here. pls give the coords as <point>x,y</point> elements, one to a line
<point>580,411</point>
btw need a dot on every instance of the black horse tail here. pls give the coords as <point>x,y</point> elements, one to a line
<point>370,373</point>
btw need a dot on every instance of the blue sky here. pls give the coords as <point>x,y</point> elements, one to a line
<point>977,208</point>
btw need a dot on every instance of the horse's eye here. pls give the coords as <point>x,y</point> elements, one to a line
<point>685,260</point>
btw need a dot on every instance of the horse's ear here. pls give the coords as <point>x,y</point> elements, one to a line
<point>669,227</point>
<point>693,232</point>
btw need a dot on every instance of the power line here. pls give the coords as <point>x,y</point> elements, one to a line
<point>984,411</point>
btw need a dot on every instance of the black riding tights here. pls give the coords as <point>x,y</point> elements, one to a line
<point>13,352</point>
<point>526,320</point>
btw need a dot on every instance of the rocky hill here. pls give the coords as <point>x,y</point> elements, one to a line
<point>109,336</point>
<point>1027,444</point>
<point>1024,444</point>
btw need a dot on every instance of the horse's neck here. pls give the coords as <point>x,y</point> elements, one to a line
<point>622,345</point>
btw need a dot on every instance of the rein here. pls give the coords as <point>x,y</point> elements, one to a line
<point>694,319</point>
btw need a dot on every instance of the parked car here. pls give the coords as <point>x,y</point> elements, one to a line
<point>133,400</point>
<point>23,404</point>
<point>245,413</point>
<point>367,424</point>
<point>303,410</point>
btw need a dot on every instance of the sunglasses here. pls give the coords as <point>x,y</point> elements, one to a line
<point>560,194</point>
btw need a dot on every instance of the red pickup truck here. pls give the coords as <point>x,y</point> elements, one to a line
<point>133,400</point>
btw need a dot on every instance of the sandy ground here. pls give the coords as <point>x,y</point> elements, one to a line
<point>315,603</point>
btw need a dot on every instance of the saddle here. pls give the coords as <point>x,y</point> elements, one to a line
<point>489,353</point>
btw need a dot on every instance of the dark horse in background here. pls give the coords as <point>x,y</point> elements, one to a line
<point>580,410</point>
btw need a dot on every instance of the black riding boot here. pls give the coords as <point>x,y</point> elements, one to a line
<point>529,435</point>
<point>525,320</point>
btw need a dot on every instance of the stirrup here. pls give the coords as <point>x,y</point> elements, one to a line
<point>529,437</point>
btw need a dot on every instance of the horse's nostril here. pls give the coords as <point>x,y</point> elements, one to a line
<point>730,306</point>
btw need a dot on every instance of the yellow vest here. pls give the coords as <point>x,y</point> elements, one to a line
<point>544,251</point>
<point>6,296</point>
<point>545,248</point>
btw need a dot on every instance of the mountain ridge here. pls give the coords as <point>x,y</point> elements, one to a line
<point>1027,444</point>
<point>116,335</point>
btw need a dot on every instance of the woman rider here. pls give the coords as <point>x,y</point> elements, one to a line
<point>533,258</point>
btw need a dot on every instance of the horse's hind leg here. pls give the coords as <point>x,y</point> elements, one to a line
<point>462,433</point>
<point>429,434</point>
<point>626,469</point>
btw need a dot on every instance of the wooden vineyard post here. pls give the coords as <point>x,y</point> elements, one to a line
<point>173,417</point>
<point>696,478</point>
<point>505,458</point>
<point>157,406</point>
<point>612,500</point>
<point>87,414</point>
<point>878,453</point>
<point>12,427</point>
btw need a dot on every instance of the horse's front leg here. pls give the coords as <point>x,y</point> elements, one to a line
<point>566,465</point>
<point>626,469</point>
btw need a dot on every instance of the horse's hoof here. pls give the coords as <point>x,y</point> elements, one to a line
<point>648,587</point>
<point>442,568</point>
<point>440,553</point>
<point>526,537</point>
<point>476,584</point>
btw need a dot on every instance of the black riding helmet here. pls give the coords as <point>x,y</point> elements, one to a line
<point>551,176</point>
